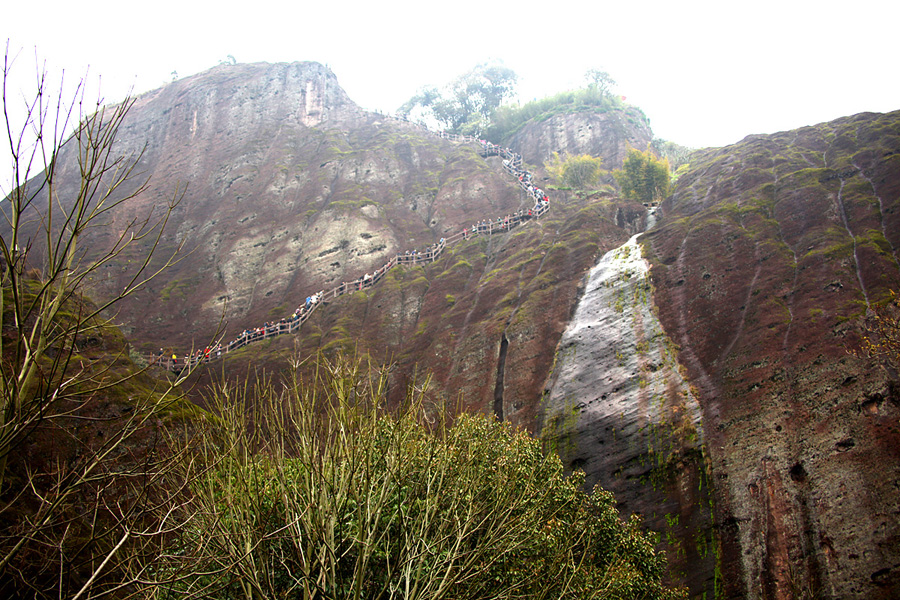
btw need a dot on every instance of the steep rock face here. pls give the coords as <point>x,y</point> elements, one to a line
<point>288,187</point>
<point>620,411</point>
<point>769,252</point>
<point>483,321</point>
<point>604,134</point>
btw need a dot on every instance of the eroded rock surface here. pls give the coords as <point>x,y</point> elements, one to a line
<point>288,187</point>
<point>769,253</point>
<point>620,411</point>
<point>600,134</point>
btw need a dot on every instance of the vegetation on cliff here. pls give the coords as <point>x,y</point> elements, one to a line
<point>467,104</point>
<point>578,172</point>
<point>643,177</point>
<point>508,119</point>
<point>473,103</point>
<point>770,254</point>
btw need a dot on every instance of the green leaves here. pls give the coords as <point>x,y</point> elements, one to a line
<point>466,104</point>
<point>577,172</point>
<point>343,500</point>
<point>643,177</point>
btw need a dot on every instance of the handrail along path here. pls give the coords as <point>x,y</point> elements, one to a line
<point>512,164</point>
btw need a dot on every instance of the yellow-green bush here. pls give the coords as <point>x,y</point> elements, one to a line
<point>327,496</point>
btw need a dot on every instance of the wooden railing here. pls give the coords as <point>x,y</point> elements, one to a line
<point>512,163</point>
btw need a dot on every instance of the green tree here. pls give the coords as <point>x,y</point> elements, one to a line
<point>676,154</point>
<point>467,104</point>
<point>600,80</point>
<point>579,172</point>
<point>643,176</point>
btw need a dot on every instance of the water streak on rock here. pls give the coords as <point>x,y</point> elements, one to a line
<point>619,410</point>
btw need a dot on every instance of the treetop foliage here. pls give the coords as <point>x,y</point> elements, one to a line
<point>578,172</point>
<point>466,104</point>
<point>473,103</point>
<point>340,500</point>
<point>677,155</point>
<point>643,176</point>
<point>600,80</point>
<point>596,95</point>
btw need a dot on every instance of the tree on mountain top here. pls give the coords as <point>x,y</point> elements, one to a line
<point>468,102</point>
<point>677,155</point>
<point>600,80</point>
<point>643,176</point>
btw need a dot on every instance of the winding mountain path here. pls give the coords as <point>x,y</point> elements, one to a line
<point>512,163</point>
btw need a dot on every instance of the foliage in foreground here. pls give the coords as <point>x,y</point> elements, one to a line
<point>323,496</point>
<point>79,465</point>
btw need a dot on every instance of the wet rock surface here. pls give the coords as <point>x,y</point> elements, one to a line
<point>620,411</point>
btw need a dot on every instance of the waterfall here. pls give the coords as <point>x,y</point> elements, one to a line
<point>619,409</point>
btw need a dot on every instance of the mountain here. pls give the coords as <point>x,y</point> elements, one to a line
<point>289,188</point>
<point>767,456</point>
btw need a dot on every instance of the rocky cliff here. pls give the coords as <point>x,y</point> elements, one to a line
<point>289,188</point>
<point>769,252</point>
<point>606,134</point>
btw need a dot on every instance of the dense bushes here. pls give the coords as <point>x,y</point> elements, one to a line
<point>324,496</point>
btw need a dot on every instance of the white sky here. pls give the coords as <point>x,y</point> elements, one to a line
<point>706,73</point>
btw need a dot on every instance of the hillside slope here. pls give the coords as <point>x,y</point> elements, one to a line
<point>289,188</point>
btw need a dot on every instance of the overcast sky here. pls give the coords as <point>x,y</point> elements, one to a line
<point>705,73</point>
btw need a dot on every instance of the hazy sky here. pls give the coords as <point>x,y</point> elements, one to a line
<point>705,73</point>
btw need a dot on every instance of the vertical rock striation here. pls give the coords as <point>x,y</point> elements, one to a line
<point>769,255</point>
<point>604,134</point>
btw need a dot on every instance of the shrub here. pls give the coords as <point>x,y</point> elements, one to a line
<point>508,119</point>
<point>577,172</point>
<point>327,496</point>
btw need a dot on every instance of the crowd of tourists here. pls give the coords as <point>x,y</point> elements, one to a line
<point>512,163</point>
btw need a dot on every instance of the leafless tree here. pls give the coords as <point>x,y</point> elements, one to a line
<point>68,515</point>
